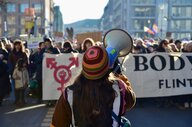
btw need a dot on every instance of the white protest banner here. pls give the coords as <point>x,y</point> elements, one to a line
<point>58,72</point>
<point>160,74</point>
<point>151,75</point>
<point>33,45</point>
<point>33,42</point>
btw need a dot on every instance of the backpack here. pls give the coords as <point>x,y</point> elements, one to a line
<point>118,121</point>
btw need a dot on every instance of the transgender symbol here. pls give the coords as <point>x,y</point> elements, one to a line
<point>62,73</point>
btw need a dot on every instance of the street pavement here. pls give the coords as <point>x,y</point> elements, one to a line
<point>150,114</point>
<point>146,115</point>
<point>31,115</point>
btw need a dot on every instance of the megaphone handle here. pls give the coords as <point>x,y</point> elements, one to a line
<point>117,67</point>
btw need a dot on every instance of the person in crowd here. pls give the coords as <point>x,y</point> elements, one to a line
<point>150,49</point>
<point>184,46</point>
<point>141,46</point>
<point>93,94</point>
<point>189,47</point>
<point>171,41</point>
<point>136,49</point>
<point>9,47</point>
<point>36,60</point>
<point>163,46</point>
<point>4,41</point>
<point>149,46</point>
<point>178,43</point>
<point>59,45</point>
<point>98,43</point>
<point>87,43</point>
<point>68,48</point>
<point>49,46</point>
<point>21,77</point>
<point>77,47</point>
<point>173,47</point>
<point>7,44</point>
<point>5,86</point>
<point>17,53</point>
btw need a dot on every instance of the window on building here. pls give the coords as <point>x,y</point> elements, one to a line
<point>39,21</point>
<point>181,25</point>
<point>183,35</point>
<point>144,11</point>
<point>188,24</point>
<point>0,8</point>
<point>0,20</point>
<point>140,23</point>
<point>22,31</point>
<point>179,2</point>
<point>11,7</point>
<point>140,34</point>
<point>12,31</point>
<point>182,11</point>
<point>189,11</point>
<point>23,7</point>
<point>143,1</point>
<point>38,8</point>
<point>11,20</point>
<point>22,20</point>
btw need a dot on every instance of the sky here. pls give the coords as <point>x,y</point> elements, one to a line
<point>75,10</point>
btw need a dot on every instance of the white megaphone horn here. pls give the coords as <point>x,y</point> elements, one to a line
<point>118,43</point>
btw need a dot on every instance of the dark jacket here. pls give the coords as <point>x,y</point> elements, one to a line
<point>38,60</point>
<point>52,50</point>
<point>13,58</point>
<point>3,64</point>
<point>5,86</point>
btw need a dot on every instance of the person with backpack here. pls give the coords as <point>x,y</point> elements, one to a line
<point>97,98</point>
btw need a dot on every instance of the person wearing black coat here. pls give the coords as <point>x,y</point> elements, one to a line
<point>68,48</point>
<point>5,86</point>
<point>49,47</point>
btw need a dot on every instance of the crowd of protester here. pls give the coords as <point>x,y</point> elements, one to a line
<point>22,67</point>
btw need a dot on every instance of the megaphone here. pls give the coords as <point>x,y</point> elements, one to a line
<point>118,43</point>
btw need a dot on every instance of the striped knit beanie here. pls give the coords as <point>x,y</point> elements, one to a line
<point>95,63</point>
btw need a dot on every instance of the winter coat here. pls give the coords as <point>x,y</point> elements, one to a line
<point>52,50</point>
<point>21,78</point>
<point>5,85</point>
<point>13,58</point>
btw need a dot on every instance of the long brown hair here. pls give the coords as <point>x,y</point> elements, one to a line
<point>93,101</point>
<point>20,43</point>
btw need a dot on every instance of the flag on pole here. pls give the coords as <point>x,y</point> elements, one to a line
<point>146,29</point>
<point>155,28</point>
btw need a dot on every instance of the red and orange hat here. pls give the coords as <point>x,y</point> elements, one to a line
<point>95,63</point>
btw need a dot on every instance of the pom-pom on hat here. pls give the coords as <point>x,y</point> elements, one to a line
<point>95,63</point>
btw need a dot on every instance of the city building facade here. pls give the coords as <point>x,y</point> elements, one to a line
<point>13,19</point>
<point>170,16</point>
<point>107,18</point>
<point>58,25</point>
